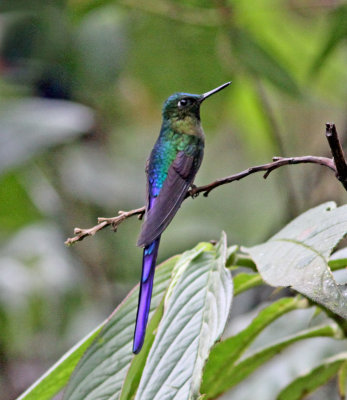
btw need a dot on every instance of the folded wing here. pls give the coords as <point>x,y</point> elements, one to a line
<point>180,176</point>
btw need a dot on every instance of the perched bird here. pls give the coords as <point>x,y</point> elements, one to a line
<point>171,169</point>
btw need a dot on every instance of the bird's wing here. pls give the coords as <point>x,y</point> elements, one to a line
<point>180,176</point>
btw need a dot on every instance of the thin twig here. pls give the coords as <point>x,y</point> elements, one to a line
<point>80,234</point>
<point>268,168</point>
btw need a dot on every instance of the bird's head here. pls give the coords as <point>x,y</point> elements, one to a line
<point>179,106</point>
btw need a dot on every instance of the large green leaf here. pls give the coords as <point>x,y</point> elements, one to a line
<point>225,354</point>
<point>195,317</point>
<point>302,386</point>
<point>132,379</point>
<point>102,370</point>
<point>124,318</point>
<point>134,374</point>
<point>57,376</point>
<point>234,374</point>
<point>297,256</point>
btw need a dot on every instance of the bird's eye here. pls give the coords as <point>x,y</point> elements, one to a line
<point>183,103</point>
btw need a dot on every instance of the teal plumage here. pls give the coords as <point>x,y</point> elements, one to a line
<point>171,169</point>
<point>164,153</point>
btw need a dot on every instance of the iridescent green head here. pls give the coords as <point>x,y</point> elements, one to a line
<point>183,105</point>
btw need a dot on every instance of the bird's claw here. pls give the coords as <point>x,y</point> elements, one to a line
<point>192,192</point>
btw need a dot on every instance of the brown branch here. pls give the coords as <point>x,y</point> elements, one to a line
<point>337,153</point>
<point>268,168</point>
<point>80,234</point>
<point>337,164</point>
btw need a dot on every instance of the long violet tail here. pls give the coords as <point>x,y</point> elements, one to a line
<point>148,267</point>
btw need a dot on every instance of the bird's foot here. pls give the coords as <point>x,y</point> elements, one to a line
<point>192,192</point>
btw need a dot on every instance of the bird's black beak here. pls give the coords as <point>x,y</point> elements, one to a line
<point>211,92</point>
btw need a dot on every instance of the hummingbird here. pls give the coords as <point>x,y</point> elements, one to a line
<point>171,169</point>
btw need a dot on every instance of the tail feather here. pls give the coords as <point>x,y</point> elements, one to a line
<point>148,267</point>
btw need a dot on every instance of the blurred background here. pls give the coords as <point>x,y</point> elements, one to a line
<point>82,84</point>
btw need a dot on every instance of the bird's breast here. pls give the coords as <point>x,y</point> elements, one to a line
<point>164,153</point>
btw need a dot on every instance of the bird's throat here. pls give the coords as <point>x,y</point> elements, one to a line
<point>188,125</point>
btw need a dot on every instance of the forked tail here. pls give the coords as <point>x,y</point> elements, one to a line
<point>148,267</point>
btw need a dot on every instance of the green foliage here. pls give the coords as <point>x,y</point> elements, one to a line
<point>137,365</point>
<point>183,354</point>
<point>261,63</point>
<point>306,384</point>
<point>234,374</point>
<point>337,33</point>
<point>57,377</point>
<point>244,281</point>
<point>104,365</point>
<point>17,208</point>
<point>196,314</point>
<point>297,256</point>
<point>221,364</point>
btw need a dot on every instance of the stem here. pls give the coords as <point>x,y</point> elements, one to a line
<point>337,153</point>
